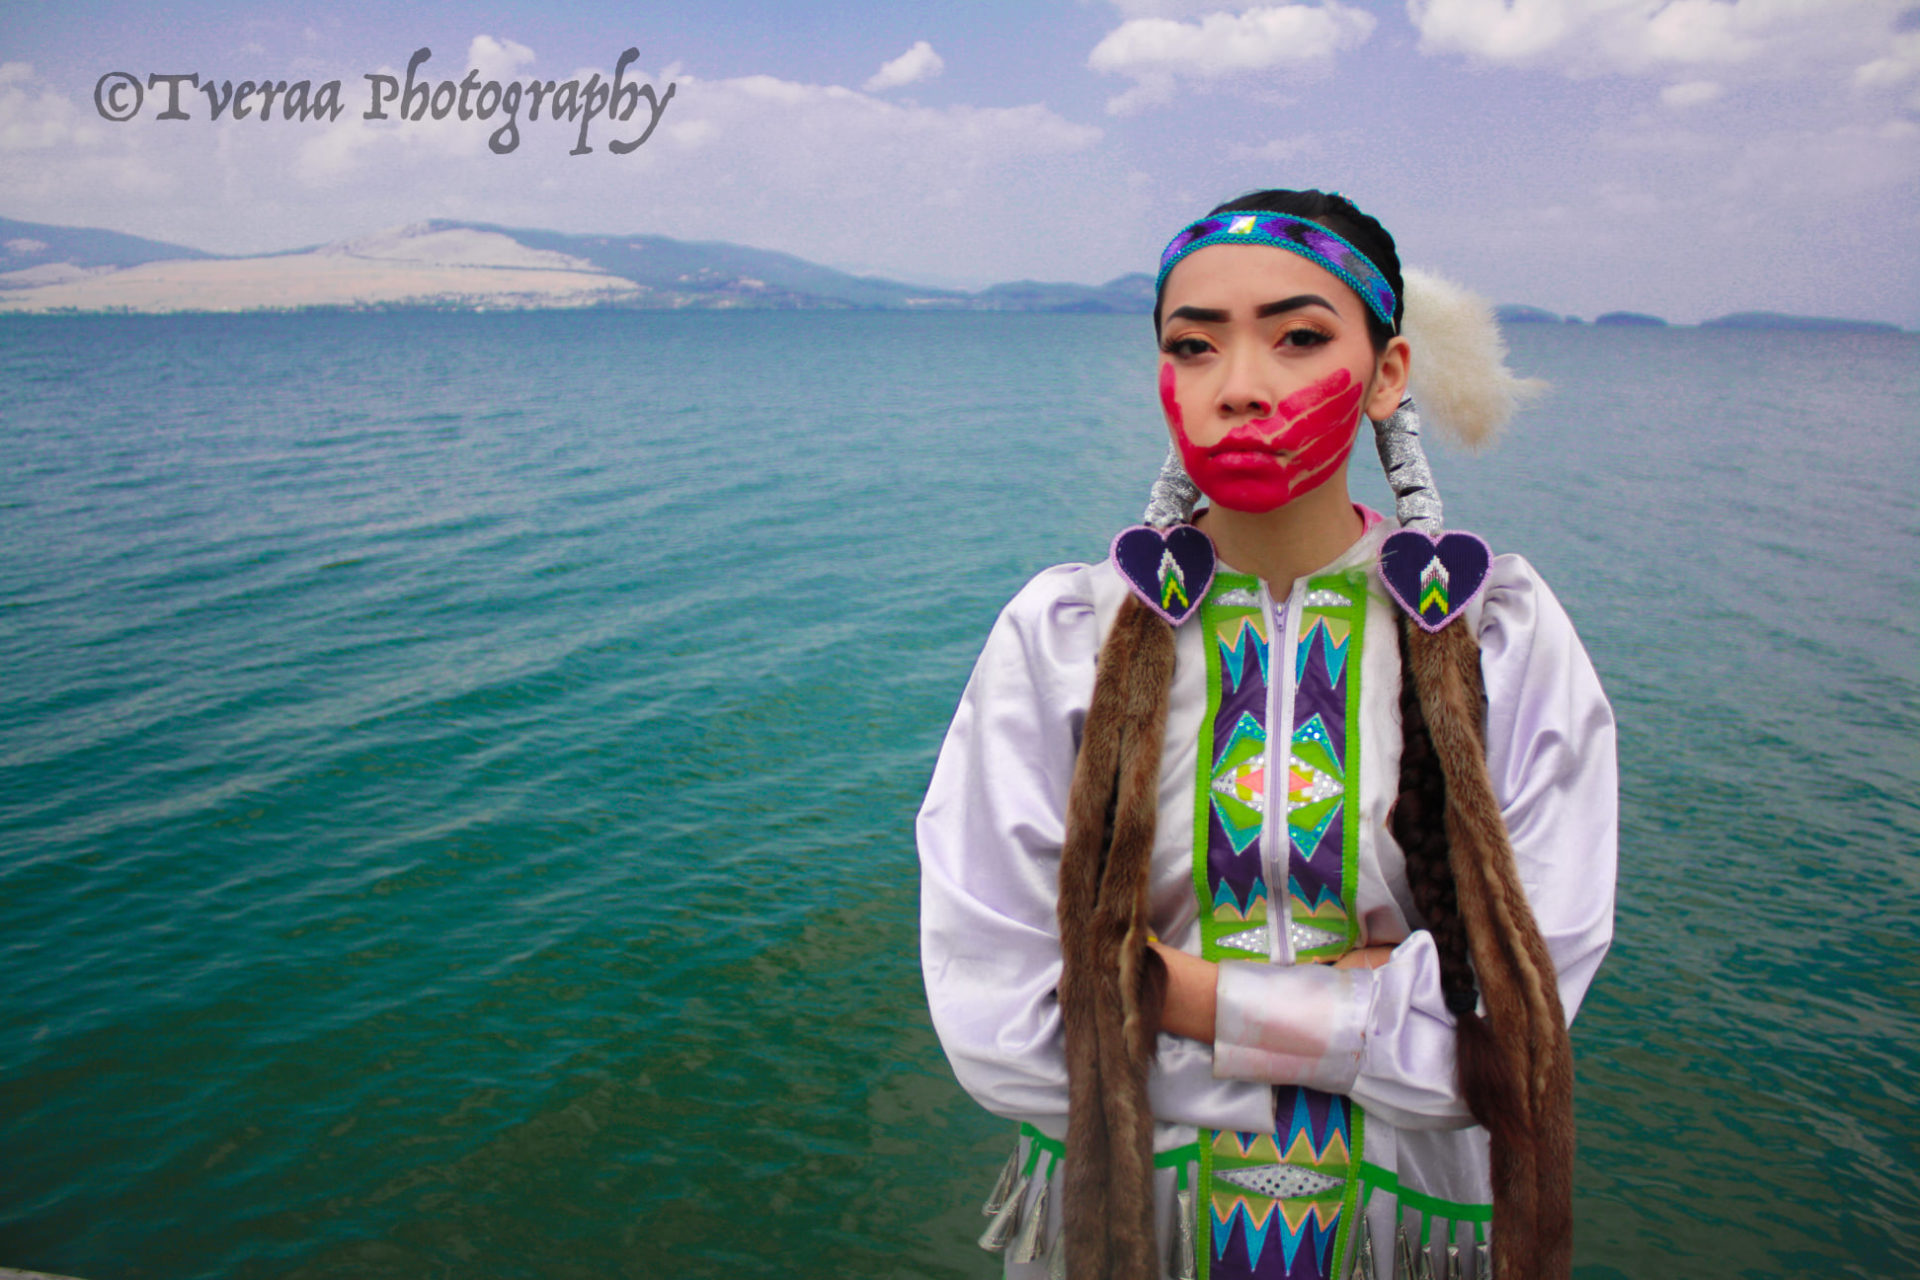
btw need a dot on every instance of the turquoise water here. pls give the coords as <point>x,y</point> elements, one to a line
<point>456,776</point>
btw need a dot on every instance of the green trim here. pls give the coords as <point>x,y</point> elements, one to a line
<point>1041,1142</point>
<point>1203,764</point>
<point>1178,1158</point>
<point>1354,586</point>
<point>1350,1198</point>
<point>1171,1158</point>
<point>1212,615</point>
<point>1203,1207</point>
<point>1388,1181</point>
<point>1350,586</point>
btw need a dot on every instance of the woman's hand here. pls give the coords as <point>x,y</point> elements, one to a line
<point>1364,958</point>
<point>1191,987</point>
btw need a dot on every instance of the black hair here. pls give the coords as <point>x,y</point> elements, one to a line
<point>1342,217</point>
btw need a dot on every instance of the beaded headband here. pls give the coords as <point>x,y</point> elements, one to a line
<point>1298,235</point>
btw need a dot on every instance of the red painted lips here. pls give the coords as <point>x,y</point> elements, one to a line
<point>1268,462</point>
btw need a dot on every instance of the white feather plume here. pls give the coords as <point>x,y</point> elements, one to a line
<point>1460,379</point>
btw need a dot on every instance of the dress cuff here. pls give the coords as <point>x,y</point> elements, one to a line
<point>1291,1024</point>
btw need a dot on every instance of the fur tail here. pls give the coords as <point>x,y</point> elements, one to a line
<point>1111,985</point>
<point>1517,1063</point>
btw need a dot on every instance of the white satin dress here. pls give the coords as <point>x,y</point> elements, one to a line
<point>990,834</point>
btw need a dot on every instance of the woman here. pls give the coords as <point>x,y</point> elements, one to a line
<point>1366,1073</point>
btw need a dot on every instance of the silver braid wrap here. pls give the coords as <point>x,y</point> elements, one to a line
<point>1174,494</point>
<point>1415,501</point>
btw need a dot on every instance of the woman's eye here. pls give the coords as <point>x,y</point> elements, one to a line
<point>1188,347</point>
<point>1304,337</point>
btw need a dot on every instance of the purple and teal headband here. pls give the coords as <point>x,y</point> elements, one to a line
<point>1298,235</point>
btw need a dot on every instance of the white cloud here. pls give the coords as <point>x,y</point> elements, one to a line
<point>56,153</point>
<point>1898,63</point>
<point>36,117</point>
<point>1228,43</point>
<point>826,172</point>
<point>1692,93</point>
<point>1883,73</point>
<point>791,139</point>
<point>1158,52</point>
<point>1810,170</point>
<point>1150,89</point>
<point>918,63</point>
<point>1769,37</point>
<point>497,59</point>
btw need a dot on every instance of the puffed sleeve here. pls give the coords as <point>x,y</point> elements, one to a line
<point>1384,1035</point>
<point>989,835</point>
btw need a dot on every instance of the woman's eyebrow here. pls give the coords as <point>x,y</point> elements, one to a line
<point>1294,303</point>
<point>1205,315</point>
<point>1210,315</point>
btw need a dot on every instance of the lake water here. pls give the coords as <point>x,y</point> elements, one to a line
<point>456,776</point>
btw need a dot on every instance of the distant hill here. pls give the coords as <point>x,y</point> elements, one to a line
<point>475,265</point>
<point>1631,319</point>
<point>33,244</point>
<point>444,264</point>
<point>715,270</point>
<point>33,254</point>
<point>1515,313</point>
<point>1127,295</point>
<point>418,266</point>
<point>1776,320</point>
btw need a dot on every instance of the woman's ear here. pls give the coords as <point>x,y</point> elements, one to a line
<point>1389,379</point>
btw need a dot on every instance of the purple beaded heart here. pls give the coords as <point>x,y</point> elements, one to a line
<point>1169,571</point>
<point>1434,580</point>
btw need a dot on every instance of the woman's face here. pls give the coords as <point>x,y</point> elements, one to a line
<point>1266,367</point>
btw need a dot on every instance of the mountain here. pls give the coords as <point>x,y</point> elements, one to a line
<point>1516,313</point>
<point>473,265</point>
<point>719,273</point>
<point>30,244</point>
<point>1631,319</point>
<point>1127,295</point>
<point>428,264</point>
<point>36,253</point>
<point>469,266</point>
<point>1776,320</point>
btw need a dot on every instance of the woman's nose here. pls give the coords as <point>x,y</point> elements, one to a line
<point>1245,388</point>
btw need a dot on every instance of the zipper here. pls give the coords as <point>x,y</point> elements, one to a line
<point>1276,850</point>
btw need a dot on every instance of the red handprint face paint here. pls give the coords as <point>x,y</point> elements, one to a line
<point>1268,462</point>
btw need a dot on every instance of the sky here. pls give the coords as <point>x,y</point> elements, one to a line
<point>1683,157</point>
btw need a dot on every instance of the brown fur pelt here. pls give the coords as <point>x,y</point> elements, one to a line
<point>1111,986</point>
<point>1516,1063</point>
